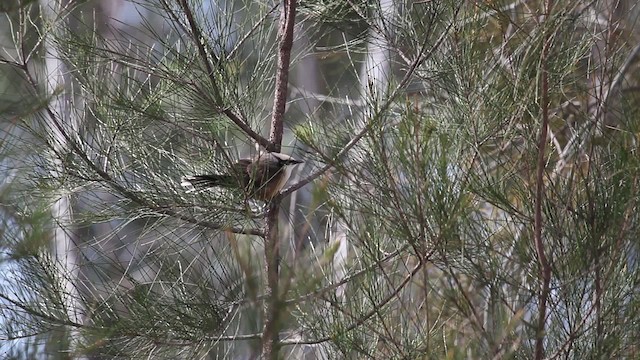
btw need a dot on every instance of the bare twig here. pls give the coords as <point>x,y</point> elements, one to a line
<point>545,269</point>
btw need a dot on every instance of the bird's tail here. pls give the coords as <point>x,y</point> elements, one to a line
<point>203,182</point>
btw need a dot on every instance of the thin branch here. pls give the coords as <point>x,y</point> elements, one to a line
<point>207,224</point>
<point>204,55</point>
<point>301,94</point>
<point>246,36</point>
<point>285,32</point>
<point>545,269</point>
<point>273,304</point>
<point>49,316</point>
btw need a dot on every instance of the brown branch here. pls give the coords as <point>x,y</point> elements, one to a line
<point>285,32</point>
<point>274,305</point>
<point>545,269</point>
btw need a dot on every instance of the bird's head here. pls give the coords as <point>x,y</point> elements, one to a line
<point>285,159</point>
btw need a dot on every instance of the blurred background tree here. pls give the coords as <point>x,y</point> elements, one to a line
<point>469,187</point>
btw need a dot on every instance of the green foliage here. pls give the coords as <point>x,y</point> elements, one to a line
<point>415,236</point>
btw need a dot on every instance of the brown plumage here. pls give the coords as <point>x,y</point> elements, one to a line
<point>261,177</point>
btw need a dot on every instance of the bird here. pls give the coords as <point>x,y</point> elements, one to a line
<point>261,177</point>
